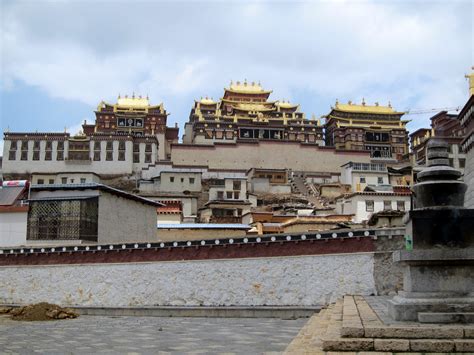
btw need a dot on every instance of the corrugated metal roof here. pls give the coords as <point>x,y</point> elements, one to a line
<point>204,226</point>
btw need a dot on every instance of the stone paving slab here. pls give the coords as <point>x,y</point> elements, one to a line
<point>149,335</point>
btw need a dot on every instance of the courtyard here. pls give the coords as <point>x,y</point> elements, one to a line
<point>149,335</point>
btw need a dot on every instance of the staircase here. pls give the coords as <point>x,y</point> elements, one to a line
<point>300,186</point>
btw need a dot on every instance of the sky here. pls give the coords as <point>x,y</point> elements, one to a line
<point>60,59</point>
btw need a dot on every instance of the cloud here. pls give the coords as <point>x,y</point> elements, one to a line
<point>412,53</point>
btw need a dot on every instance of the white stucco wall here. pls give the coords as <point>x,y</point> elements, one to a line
<point>13,228</point>
<point>303,280</point>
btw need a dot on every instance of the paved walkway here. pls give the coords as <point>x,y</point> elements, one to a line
<point>148,335</point>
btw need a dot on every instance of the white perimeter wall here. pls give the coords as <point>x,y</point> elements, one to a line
<point>302,280</point>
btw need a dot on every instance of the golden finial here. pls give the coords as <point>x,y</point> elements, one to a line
<point>245,82</point>
<point>253,83</point>
<point>259,83</point>
<point>470,77</point>
<point>237,83</point>
<point>389,104</point>
<point>363,102</point>
<point>119,96</point>
<point>337,102</point>
<point>349,102</point>
<point>126,96</point>
<point>133,95</point>
<point>147,97</point>
<point>376,103</point>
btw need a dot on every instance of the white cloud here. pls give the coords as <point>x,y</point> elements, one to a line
<point>412,53</point>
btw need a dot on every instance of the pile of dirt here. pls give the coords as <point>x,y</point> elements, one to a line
<point>40,312</point>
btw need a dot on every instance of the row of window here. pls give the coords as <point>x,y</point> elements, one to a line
<point>77,145</point>
<point>191,180</point>
<point>230,195</point>
<point>387,205</point>
<point>36,145</point>
<point>63,181</point>
<point>362,180</point>
<point>78,155</point>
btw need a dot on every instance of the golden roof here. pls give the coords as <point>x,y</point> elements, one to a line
<point>247,88</point>
<point>363,108</point>
<point>207,101</point>
<point>285,104</point>
<point>139,102</point>
<point>252,107</point>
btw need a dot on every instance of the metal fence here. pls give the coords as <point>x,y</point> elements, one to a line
<point>71,219</point>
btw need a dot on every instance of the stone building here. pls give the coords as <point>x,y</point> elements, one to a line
<point>245,113</point>
<point>377,129</point>
<point>126,138</point>
<point>466,117</point>
<point>444,126</point>
<point>81,213</point>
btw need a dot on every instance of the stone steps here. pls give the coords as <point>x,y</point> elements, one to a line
<point>351,325</point>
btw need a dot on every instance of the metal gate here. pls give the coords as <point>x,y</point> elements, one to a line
<point>66,219</point>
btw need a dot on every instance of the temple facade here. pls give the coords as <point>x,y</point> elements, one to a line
<point>126,137</point>
<point>377,129</point>
<point>245,113</point>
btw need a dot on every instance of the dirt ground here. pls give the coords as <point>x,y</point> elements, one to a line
<point>38,312</point>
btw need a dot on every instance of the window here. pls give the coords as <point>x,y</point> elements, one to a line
<point>191,181</point>
<point>47,155</point>
<point>401,205</point>
<point>36,145</point>
<point>237,184</point>
<point>380,180</point>
<point>369,206</point>
<point>362,180</point>
<point>182,179</point>
<point>148,147</point>
<point>97,156</point>
<point>13,145</point>
<point>72,181</point>
<point>109,156</point>
<point>220,195</point>
<point>121,156</point>
<point>12,155</point>
<point>24,145</point>
<point>136,147</point>
<point>229,195</point>
<point>109,146</point>
<point>83,180</point>
<point>171,178</point>
<point>64,180</point>
<point>121,145</point>
<point>462,163</point>
<point>96,145</point>
<point>451,162</point>
<point>60,155</point>
<point>60,145</point>
<point>136,157</point>
<point>147,158</point>
<point>49,145</point>
<point>236,195</point>
<point>51,181</point>
<point>40,181</point>
<point>387,205</point>
<point>24,155</point>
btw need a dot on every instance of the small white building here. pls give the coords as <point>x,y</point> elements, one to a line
<point>363,204</point>
<point>361,175</point>
<point>64,178</point>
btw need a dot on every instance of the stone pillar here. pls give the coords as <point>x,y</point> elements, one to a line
<point>439,272</point>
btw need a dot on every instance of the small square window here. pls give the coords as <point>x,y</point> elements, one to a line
<point>64,180</point>
<point>380,180</point>
<point>83,180</point>
<point>51,181</point>
<point>401,205</point>
<point>12,155</point>
<point>229,195</point>
<point>220,195</point>
<point>72,181</point>
<point>387,205</point>
<point>171,178</point>
<point>40,181</point>
<point>182,179</point>
<point>369,206</point>
<point>362,180</point>
<point>191,181</point>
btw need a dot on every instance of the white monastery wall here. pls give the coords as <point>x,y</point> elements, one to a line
<point>279,281</point>
<point>13,228</point>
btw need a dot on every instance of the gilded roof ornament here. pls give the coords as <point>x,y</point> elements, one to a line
<point>470,77</point>
<point>337,102</point>
<point>363,102</point>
